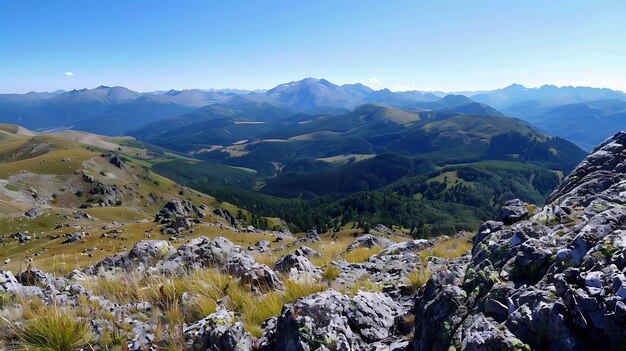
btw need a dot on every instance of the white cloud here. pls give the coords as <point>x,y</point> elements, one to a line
<point>68,74</point>
<point>374,81</point>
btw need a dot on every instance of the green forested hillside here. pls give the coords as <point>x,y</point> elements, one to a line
<point>431,172</point>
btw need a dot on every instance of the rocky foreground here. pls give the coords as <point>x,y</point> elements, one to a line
<point>550,278</point>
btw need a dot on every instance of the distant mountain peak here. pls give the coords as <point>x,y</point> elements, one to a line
<point>455,100</point>
<point>173,92</point>
<point>514,87</point>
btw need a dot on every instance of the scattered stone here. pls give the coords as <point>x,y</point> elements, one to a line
<point>32,213</point>
<point>22,238</point>
<point>73,237</point>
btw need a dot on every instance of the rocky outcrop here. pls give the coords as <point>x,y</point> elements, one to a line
<point>71,238</point>
<point>261,246</point>
<point>203,252</point>
<point>105,195</point>
<point>143,255</point>
<point>369,241</point>
<point>225,214</point>
<point>20,237</point>
<point>260,278</point>
<point>175,208</point>
<point>552,280</point>
<point>331,320</point>
<point>178,216</point>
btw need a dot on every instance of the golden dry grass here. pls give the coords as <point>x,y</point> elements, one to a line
<point>361,254</point>
<point>418,278</point>
<point>203,289</point>
<point>452,247</point>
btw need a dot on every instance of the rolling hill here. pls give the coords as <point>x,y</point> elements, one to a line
<point>313,168</point>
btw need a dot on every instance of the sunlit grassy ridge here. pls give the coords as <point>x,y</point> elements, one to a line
<point>46,171</point>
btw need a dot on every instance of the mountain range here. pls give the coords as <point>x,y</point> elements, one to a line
<point>582,115</point>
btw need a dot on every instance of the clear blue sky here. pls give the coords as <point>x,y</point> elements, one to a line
<point>446,45</point>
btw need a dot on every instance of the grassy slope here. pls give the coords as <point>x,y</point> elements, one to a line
<point>53,164</point>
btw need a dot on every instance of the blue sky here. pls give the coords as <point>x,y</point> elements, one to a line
<point>444,45</point>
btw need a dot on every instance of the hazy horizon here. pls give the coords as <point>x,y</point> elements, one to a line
<point>296,80</point>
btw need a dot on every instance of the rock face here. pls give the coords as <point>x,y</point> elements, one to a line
<point>178,216</point>
<point>552,280</point>
<point>175,209</point>
<point>330,320</point>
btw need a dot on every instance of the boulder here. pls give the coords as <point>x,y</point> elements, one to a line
<point>73,237</point>
<point>8,283</point>
<point>513,211</point>
<point>373,315</point>
<point>32,213</point>
<point>296,265</point>
<point>260,278</point>
<point>218,331</point>
<point>330,320</point>
<point>369,241</point>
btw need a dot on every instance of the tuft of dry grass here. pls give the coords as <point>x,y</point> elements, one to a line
<point>53,330</point>
<point>361,254</point>
<point>258,309</point>
<point>418,278</point>
<point>330,248</point>
<point>202,289</point>
<point>330,273</point>
<point>450,247</point>
<point>295,290</point>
